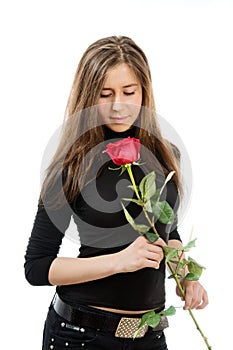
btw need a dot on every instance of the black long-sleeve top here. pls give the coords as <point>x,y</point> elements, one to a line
<point>102,229</point>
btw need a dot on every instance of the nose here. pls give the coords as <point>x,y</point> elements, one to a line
<point>116,104</point>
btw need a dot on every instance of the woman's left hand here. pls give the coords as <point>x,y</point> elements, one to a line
<point>195,295</point>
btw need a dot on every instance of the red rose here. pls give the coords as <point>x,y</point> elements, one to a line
<point>125,151</point>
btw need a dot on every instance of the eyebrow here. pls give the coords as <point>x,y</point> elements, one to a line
<point>125,86</point>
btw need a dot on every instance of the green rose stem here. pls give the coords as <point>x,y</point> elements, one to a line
<point>174,274</point>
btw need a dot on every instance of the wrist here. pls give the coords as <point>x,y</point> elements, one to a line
<point>116,263</point>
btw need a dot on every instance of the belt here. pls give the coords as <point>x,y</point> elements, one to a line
<point>123,327</point>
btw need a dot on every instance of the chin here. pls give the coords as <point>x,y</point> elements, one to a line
<point>119,127</point>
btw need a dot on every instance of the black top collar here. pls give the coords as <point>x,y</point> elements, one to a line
<point>110,134</point>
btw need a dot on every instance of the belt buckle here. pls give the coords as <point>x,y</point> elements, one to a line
<point>127,327</point>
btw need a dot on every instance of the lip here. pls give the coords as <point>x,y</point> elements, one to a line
<point>118,119</point>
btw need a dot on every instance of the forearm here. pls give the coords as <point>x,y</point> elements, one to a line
<point>65,271</point>
<point>138,255</point>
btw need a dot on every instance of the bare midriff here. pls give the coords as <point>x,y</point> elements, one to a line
<point>122,311</point>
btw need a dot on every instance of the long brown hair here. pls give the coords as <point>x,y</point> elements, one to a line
<point>76,157</point>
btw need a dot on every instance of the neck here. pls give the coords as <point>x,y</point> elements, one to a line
<point>111,134</point>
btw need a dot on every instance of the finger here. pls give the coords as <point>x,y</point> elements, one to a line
<point>151,263</point>
<point>156,250</point>
<point>188,299</point>
<point>153,256</point>
<point>205,301</point>
<point>197,298</point>
<point>155,247</point>
<point>142,238</point>
<point>178,292</point>
<point>160,242</point>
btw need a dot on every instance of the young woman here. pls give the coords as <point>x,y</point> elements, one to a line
<point>118,275</point>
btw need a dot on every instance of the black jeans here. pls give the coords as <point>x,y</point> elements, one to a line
<point>60,335</point>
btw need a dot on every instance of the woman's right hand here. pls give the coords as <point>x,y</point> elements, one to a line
<point>140,254</point>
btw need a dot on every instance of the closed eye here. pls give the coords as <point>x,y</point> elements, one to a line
<point>129,93</point>
<point>105,96</point>
<point>125,93</point>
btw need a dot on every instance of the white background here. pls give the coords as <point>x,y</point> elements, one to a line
<point>189,47</point>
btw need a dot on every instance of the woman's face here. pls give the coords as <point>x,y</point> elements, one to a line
<point>121,98</point>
